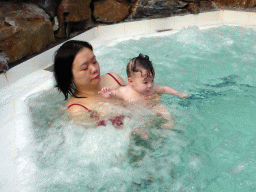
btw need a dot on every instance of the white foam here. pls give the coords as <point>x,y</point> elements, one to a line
<point>239,167</point>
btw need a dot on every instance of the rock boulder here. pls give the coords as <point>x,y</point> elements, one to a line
<point>236,3</point>
<point>73,11</point>
<point>24,29</point>
<point>111,11</point>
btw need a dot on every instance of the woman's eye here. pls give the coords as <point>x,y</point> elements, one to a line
<point>94,61</point>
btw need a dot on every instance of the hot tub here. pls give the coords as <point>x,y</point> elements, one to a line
<point>31,77</point>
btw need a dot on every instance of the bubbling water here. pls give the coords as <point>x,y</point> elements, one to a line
<point>67,156</point>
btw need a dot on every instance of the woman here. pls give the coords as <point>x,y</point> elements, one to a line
<point>77,74</point>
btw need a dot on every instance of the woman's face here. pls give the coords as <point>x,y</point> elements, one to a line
<point>85,68</point>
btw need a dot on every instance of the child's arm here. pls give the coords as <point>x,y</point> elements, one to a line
<point>168,90</point>
<point>108,93</point>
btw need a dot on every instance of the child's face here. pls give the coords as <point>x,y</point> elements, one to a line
<point>142,83</point>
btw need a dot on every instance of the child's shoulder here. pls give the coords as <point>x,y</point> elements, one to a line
<point>158,88</point>
<point>122,88</point>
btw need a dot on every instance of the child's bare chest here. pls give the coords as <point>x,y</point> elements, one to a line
<point>131,96</point>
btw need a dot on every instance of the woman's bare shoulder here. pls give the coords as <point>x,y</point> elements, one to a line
<point>115,75</point>
<point>119,78</point>
<point>108,80</point>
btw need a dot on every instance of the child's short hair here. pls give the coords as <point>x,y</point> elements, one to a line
<point>140,62</point>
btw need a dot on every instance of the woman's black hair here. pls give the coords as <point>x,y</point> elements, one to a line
<point>140,61</point>
<point>63,61</point>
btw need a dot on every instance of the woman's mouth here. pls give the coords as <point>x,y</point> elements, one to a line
<point>97,77</point>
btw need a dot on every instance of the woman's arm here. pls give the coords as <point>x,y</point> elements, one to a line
<point>79,115</point>
<point>79,110</point>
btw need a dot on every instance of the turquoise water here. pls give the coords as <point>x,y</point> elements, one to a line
<point>213,146</point>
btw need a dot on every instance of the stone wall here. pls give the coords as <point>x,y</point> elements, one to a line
<point>242,4</point>
<point>29,26</point>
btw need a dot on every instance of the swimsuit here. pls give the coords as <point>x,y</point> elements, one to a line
<point>115,121</point>
<point>114,79</point>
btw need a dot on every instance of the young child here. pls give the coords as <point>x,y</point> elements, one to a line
<point>141,87</point>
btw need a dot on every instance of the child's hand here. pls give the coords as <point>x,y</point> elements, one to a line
<point>183,95</point>
<point>105,92</point>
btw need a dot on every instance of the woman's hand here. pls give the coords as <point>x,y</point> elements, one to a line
<point>142,132</point>
<point>152,99</point>
<point>94,115</point>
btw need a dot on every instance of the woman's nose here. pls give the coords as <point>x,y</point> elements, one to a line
<point>93,68</point>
